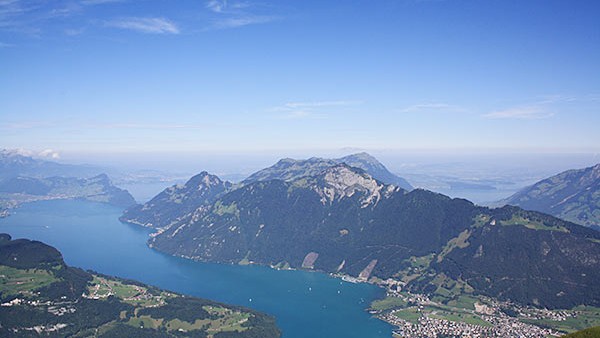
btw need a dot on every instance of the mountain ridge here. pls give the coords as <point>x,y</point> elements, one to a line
<point>21,189</point>
<point>14,163</point>
<point>162,211</point>
<point>289,169</point>
<point>311,222</point>
<point>176,201</point>
<point>573,195</point>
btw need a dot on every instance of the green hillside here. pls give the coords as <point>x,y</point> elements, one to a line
<point>592,332</point>
<point>344,221</point>
<point>43,297</point>
<point>573,195</point>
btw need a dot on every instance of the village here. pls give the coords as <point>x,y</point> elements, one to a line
<point>422,317</point>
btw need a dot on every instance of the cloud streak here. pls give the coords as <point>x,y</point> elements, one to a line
<point>217,6</point>
<point>145,25</point>
<point>432,107</point>
<point>521,113</point>
<point>94,126</point>
<point>149,126</point>
<point>224,6</point>
<point>320,104</point>
<point>98,2</point>
<point>241,21</point>
<point>235,14</point>
<point>311,109</point>
<point>546,107</point>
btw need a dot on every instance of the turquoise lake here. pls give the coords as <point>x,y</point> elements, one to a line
<point>305,304</point>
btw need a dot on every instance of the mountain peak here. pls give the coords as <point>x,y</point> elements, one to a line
<point>362,156</point>
<point>342,180</point>
<point>285,161</point>
<point>177,201</point>
<point>289,169</point>
<point>204,179</point>
<point>596,170</point>
<point>371,165</point>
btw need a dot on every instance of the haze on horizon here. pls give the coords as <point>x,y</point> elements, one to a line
<point>86,77</point>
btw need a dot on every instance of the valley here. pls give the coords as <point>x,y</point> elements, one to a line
<point>300,169</point>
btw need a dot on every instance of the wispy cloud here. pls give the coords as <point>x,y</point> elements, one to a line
<point>217,6</point>
<point>242,21</point>
<point>145,25</point>
<point>311,109</point>
<point>25,125</point>
<point>542,108</point>
<point>234,14</point>
<point>223,6</point>
<point>149,126</point>
<point>320,104</point>
<point>46,153</point>
<point>5,45</point>
<point>12,12</point>
<point>98,2</point>
<point>522,113</point>
<point>432,107</point>
<point>30,16</point>
<point>547,106</point>
<point>49,153</point>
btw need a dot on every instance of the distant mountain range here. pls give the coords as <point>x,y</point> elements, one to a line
<point>289,169</point>
<point>96,189</point>
<point>573,195</point>
<point>41,296</point>
<point>203,189</point>
<point>338,218</point>
<point>25,179</point>
<point>13,164</point>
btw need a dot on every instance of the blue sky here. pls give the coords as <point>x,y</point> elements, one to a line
<point>120,76</point>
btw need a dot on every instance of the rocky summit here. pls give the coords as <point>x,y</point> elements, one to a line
<point>289,169</point>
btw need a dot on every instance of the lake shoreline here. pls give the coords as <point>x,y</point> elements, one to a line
<point>304,303</point>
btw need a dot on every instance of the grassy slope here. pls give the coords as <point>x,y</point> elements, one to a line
<point>39,290</point>
<point>592,332</point>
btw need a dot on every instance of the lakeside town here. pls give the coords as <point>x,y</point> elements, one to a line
<point>420,316</point>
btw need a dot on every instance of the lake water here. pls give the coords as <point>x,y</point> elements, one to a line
<point>306,304</point>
